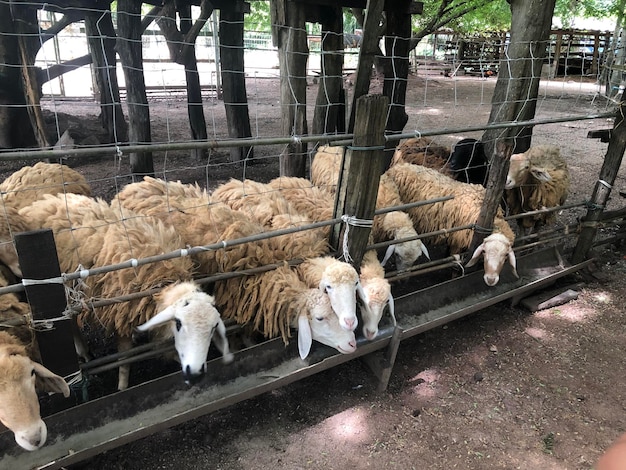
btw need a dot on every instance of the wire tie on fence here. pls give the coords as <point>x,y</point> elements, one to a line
<point>366,149</point>
<point>356,222</point>
<point>417,134</point>
<point>480,229</point>
<point>118,152</point>
<point>36,282</point>
<point>184,252</point>
<point>133,262</point>
<point>84,273</point>
<point>605,184</point>
<point>296,139</point>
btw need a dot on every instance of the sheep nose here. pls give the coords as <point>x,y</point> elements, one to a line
<point>350,323</point>
<point>491,280</point>
<point>193,378</point>
<point>352,344</point>
<point>369,334</point>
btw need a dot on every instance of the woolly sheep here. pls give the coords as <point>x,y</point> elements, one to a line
<point>326,166</point>
<point>30,183</point>
<point>393,225</point>
<point>418,183</point>
<point>21,376</point>
<point>340,281</point>
<point>468,162</point>
<point>377,292</point>
<point>78,222</point>
<point>537,179</point>
<point>184,311</point>
<point>276,300</point>
<point>423,151</point>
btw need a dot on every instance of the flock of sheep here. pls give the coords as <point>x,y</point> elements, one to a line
<point>323,298</point>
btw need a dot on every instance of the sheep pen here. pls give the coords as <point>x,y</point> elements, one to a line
<point>552,358</point>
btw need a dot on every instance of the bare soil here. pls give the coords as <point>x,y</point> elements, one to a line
<point>501,389</point>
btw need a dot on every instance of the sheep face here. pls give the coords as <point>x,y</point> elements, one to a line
<point>521,170</point>
<point>20,405</point>
<point>496,249</point>
<point>320,323</point>
<point>377,295</point>
<point>340,282</point>
<point>192,319</point>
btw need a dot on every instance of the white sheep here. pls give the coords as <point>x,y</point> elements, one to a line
<point>275,301</point>
<point>377,293</point>
<point>537,179</point>
<point>31,183</point>
<point>418,183</point>
<point>192,314</point>
<point>340,281</point>
<point>22,376</point>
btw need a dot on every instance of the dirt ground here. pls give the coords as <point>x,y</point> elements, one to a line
<point>501,389</point>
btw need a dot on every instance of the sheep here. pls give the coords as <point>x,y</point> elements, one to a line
<point>423,151</point>
<point>326,167</point>
<point>21,376</point>
<point>78,222</point>
<point>418,183</point>
<point>377,292</point>
<point>537,179</point>
<point>276,300</point>
<point>10,222</point>
<point>393,225</point>
<point>468,162</point>
<point>340,281</point>
<point>30,183</point>
<point>190,313</point>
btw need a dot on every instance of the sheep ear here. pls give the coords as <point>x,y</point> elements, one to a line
<point>222,343</point>
<point>513,263</point>
<point>425,251</point>
<point>390,251</point>
<point>392,309</point>
<point>475,256</point>
<point>541,175</point>
<point>305,336</point>
<point>160,318</point>
<point>362,294</point>
<point>49,381</point>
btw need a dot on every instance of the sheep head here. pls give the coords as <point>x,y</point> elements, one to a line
<point>19,409</point>
<point>521,171</point>
<point>341,282</point>
<point>408,252</point>
<point>320,323</point>
<point>193,318</point>
<point>496,249</point>
<point>377,295</point>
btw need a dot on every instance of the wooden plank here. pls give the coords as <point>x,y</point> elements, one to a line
<point>38,261</point>
<point>549,299</point>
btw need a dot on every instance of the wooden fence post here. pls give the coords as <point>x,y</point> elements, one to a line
<point>363,164</point>
<point>602,190</point>
<point>38,260</point>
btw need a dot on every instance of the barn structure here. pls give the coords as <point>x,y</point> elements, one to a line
<point>367,124</point>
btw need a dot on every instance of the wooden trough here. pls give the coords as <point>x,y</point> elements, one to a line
<point>86,430</point>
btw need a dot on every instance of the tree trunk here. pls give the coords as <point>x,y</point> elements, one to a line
<point>367,53</point>
<point>396,66</point>
<point>195,110</point>
<point>129,48</point>
<point>329,94</point>
<point>290,35</point>
<point>15,128</point>
<point>514,99</point>
<point>234,82</point>
<point>101,39</point>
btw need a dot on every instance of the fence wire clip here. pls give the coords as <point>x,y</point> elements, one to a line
<point>356,222</point>
<point>36,282</point>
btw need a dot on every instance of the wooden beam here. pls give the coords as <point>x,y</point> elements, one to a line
<point>414,8</point>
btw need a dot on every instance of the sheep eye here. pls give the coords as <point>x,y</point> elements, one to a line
<point>186,303</point>
<point>179,325</point>
<point>319,318</point>
<point>329,288</point>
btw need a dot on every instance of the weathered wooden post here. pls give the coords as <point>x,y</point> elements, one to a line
<point>129,48</point>
<point>289,35</point>
<point>46,295</point>
<point>363,164</point>
<point>602,189</point>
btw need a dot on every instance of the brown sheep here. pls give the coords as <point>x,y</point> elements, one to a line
<point>537,179</point>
